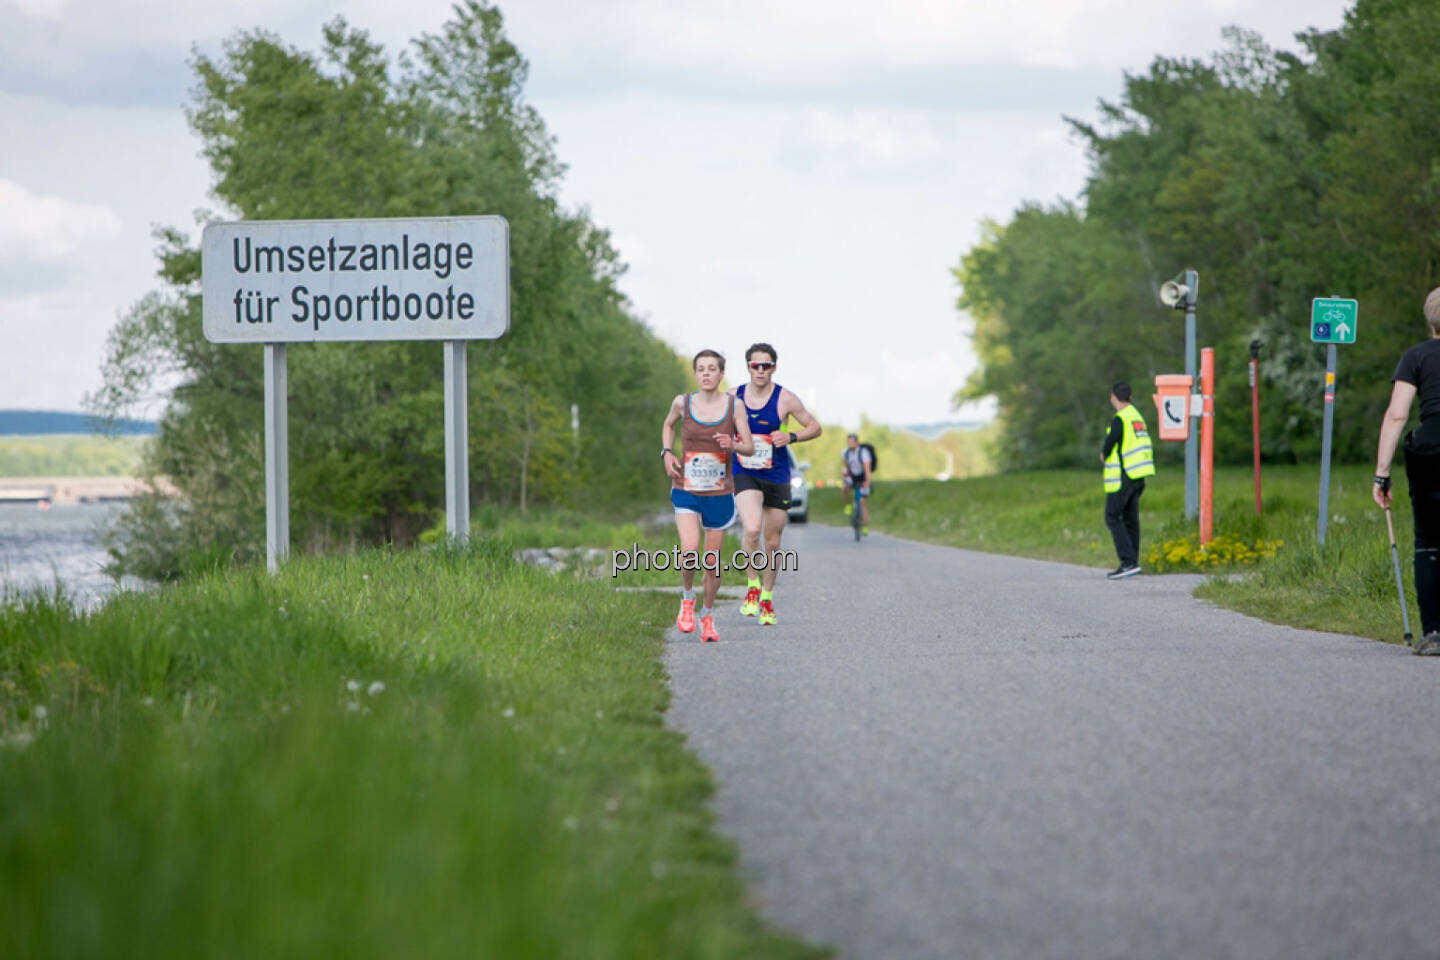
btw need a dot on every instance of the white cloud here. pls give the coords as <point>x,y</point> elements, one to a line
<point>111,25</point>
<point>795,38</point>
<point>103,51</point>
<point>54,345</point>
<point>889,138</point>
<point>37,9</point>
<point>798,171</point>
<point>634,251</point>
<point>776,38</point>
<point>34,227</point>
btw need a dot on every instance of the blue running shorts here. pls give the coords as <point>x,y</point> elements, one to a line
<point>716,512</point>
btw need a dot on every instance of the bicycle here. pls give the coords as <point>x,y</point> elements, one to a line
<point>855,508</point>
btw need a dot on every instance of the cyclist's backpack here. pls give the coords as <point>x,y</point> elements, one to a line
<point>874,461</point>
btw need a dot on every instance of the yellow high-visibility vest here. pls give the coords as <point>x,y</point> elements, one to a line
<point>1133,451</point>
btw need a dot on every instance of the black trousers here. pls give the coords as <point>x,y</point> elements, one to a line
<point>1122,516</point>
<point>1422,471</point>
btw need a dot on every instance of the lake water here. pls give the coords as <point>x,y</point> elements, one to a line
<point>40,548</point>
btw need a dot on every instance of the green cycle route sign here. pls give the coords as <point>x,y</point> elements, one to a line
<point>1333,320</point>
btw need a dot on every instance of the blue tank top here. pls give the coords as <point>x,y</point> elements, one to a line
<point>767,463</point>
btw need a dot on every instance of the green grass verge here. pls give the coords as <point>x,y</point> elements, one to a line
<point>626,529</point>
<point>646,528</point>
<point>213,777</point>
<point>558,527</point>
<point>1347,586</point>
<point>71,455</point>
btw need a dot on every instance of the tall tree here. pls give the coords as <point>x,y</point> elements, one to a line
<point>349,133</point>
<point>1280,177</point>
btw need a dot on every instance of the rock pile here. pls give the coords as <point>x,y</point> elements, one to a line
<point>586,561</point>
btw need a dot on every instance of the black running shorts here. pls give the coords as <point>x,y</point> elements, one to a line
<point>776,495</point>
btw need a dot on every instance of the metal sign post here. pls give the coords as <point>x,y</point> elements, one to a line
<point>1207,444</point>
<point>309,281</point>
<point>1192,441</point>
<point>277,458</point>
<point>1255,346</point>
<point>457,447</point>
<point>1332,320</point>
<point>1181,294</point>
<point>1325,444</point>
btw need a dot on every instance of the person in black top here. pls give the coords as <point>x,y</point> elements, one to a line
<point>1418,373</point>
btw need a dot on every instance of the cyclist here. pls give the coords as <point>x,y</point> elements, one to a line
<point>762,480</point>
<point>702,491</point>
<point>858,466</point>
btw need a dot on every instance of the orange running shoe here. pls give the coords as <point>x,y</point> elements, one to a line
<point>707,630</point>
<point>751,606</point>
<point>685,620</point>
<point>767,613</point>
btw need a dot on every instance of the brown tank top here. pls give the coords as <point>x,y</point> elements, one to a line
<point>704,465</point>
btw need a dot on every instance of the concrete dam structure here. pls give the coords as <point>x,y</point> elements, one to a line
<point>74,489</point>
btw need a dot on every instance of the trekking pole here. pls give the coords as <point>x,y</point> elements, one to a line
<point>1395,561</point>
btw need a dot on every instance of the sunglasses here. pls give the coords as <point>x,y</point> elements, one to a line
<point>761,365</point>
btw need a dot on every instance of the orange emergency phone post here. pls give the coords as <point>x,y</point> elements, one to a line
<point>1172,396</point>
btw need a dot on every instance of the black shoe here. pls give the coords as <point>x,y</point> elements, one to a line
<point>1429,645</point>
<point>1123,571</point>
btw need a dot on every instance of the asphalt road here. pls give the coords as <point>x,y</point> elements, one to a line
<point>939,753</point>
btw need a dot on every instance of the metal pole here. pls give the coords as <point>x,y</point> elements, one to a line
<point>1207,444</point>
<point>1192,452</point>
<point>1325,443</point>
<point>1255,346</point>
<point>457,444</point>
<point>277,458</point>
<point>1399,588</point>
<point>575,437</point>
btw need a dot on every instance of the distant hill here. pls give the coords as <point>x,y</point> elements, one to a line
<point>902,452</point>
<point>49,422</point>
<point>932,430</point>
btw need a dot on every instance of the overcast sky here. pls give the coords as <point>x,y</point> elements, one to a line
<point>805,172</point>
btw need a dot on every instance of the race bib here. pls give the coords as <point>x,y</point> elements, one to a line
<point>704,472</point>
<point>763,457</point>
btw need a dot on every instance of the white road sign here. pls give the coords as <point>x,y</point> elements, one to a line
<point>288,281</point>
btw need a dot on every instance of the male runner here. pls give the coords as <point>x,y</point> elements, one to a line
<point>762,480</point>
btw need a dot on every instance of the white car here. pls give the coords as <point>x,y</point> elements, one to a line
<point>799,491</point>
